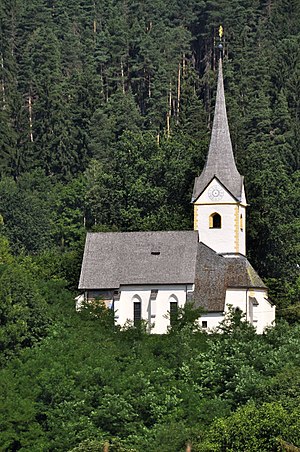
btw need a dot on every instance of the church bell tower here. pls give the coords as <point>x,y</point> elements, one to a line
<point>219,195</point>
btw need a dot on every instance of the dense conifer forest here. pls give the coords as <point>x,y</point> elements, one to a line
<point>105,116</point>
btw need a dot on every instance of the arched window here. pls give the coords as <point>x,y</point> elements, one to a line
<point>215,221</point>
<point>137,310</point>
<point>241,222</point>
<point>173,300</point>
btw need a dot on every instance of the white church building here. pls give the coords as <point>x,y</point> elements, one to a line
<point>148,275</point>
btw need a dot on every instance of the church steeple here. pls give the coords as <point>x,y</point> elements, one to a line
<point>219,196</point>
<point>220,161</point>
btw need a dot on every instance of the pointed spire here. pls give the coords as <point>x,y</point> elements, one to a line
<point>220,160</point>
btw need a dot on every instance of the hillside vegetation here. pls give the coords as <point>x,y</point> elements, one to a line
<point>105,116</point>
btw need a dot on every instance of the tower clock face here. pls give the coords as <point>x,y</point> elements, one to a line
<point>215,193</point>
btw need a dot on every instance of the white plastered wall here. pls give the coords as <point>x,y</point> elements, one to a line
<point>231,237</point>
<point>261,315</point>
<point>155,312</point>
<point>264,312</point>
<point>213,320</point>
<point>242,229</point>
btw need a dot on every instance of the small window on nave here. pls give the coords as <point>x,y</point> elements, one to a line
<point>173,300</point>
<point>241,222</point>
<point>137,310</point>
<point>215,221</point>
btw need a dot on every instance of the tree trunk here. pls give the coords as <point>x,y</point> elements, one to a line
<point>169,112</point>
<point>178,92</point>
<point>30,118</point>
<point>3,85</point>
<point>188,447</point>
<point>183,64</point>
<point>122,77</point>
<point>149,86</point>
<point>95,20</point>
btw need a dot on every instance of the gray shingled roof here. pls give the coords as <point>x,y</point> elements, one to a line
<point>112,259</point>
<point>215,273</point>
<point>220,160</point>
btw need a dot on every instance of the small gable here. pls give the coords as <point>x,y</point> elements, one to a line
<point>215,193</point>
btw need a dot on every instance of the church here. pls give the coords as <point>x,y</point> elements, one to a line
<point>149,275</point>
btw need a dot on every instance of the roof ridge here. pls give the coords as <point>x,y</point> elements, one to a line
<point>142,232</point>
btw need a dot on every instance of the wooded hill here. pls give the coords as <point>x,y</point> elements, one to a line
<point>105,116</point>
<point>106,110</point>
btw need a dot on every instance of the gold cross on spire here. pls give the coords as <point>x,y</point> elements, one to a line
<point>220,31</point>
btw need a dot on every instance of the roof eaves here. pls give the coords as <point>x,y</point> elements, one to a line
<point>85,254</point>
<point>220,182</point>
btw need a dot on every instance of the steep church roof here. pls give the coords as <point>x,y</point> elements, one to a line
<point>220,160</point>
<point>112,259</point>
<point>216,273</point>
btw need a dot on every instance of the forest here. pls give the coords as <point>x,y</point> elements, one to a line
<point>106,109</point>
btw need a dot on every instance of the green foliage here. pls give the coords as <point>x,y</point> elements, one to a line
<point>105,110</point>
<point>253,428</point>
<point>5,254</point>
<point>124,94</point>
<point>26,210</point>
<point>185,318</point>
<point>234,323</point>
<point>88,383</point>
<point>99,312</point>
<point>149,182</point>
<point>69,217</point>
<point>23,312</point>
